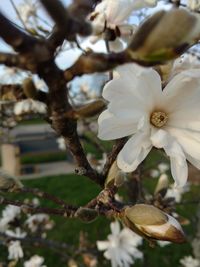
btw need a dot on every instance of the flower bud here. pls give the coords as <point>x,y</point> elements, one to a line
<point>115,176</point>
<point>91,109</point>
<point>152,223</point>
<point>29,88</point>
<point>165,35</point>
<point>86,215</point>
<point>9,183</point>
<point>162,185</point>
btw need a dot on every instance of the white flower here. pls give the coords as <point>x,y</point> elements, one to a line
<point>189,261</point>
<point>168,119</point>
<point>15,250</point>
<point>193,4</point>
<point>28,106</point>
<point>121,246</point>
<point>162,244</point>
<point>176,192</point>
<point>112,14</point>
<point>35,261</point>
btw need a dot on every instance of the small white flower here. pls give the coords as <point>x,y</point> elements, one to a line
<point>121,246</point>
<point>15,250</point>
<point>189,261</point>
<point>35,261</point>
<point>154,173</point>
<point>162,244</point>
<point>168,119</point>
<point>193,4</point>
<point>113,14</point>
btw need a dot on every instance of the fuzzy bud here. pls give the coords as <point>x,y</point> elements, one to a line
<point>29,88</point>
<point>91,109</point>
<point>115,176</point>
<point>86,215</point>
<point>162,185</point>
<point>165,35</point>
<point>9,183</point>
<point>153,224</point>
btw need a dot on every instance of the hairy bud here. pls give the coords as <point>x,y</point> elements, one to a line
<point>29,88</point>
<point>86,215</point>
<point>115,176</point>
<point>153,224</point>
<point>162,185</point>
<point>9,183</point>
<point>165,35</point>
<point>91,109</point>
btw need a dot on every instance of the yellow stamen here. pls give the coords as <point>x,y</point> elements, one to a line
<point>158,118</point>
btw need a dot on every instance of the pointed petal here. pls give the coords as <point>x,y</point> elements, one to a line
<point>134,152</point>
<point>111,127</point>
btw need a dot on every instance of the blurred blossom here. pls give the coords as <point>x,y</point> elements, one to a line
<point>29,106</point>
<point>16,234</point>
<point>121,246</point>
<point>162,244</point>
<point>113,14</point>
<point>189,261</point>
<point>15,250</point>
<point>35,261</point>
<point>8,215</point>
<point>176,192</point>
<point>193,4</point>
<point>61,143</point>
<point>40,219</point>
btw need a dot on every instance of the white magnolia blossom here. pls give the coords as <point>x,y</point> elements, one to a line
<point>15,250</point>
<point>35,261</point>
<point>167,119</point>
<point>162,168</point>
<point>28,106</point>
<point>176,192</point>
<point>121,246</point>
<point>113,14</point>
<point>193,4</point>
<point>189,261</point>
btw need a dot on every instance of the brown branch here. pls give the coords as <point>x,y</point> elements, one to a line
<point>15,37</point>
<point>67,211</point>
<point>12,60</point>
<point>65,23</point>
<point>113,155</point>
<point>100,62</point>
<point>15,92</point>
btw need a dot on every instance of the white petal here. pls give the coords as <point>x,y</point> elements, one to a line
<point>115,228</point>
<point>134,152</point>
<point>179,169</point>
<point>110,127</point>
<point>116,46</point>
<point>103,245</point>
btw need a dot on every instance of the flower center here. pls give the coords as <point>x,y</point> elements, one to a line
<point>158,118</point>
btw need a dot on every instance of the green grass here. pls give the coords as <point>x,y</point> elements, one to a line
<point>78,190</point>
<point>43,158</point>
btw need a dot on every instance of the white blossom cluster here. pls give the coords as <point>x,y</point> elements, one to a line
<point>15,235</point>
<point>29,106</point>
